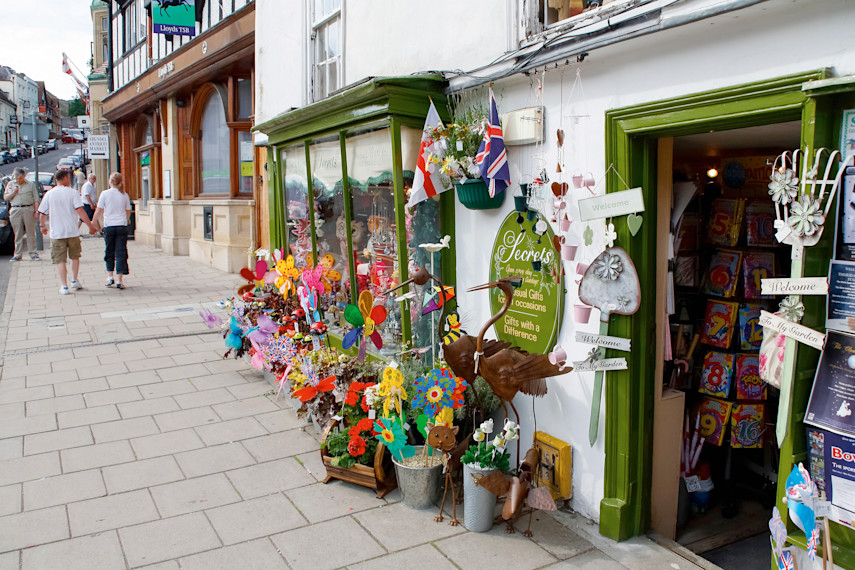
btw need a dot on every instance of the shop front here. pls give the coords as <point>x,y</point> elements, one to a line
<point>340,172</point>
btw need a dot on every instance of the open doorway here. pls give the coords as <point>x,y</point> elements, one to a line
<point>722,217</point>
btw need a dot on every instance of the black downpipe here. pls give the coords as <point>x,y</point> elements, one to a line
<point>110,46</point>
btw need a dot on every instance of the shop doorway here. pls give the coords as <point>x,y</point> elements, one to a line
<point>722,218</point>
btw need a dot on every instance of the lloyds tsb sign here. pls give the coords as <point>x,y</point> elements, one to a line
<point>175,17</point>
<point>534,319</point>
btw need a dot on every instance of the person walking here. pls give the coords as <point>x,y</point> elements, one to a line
<point>89,196</point>
<point>23,198</point>
<point>79,178</point>
<point>115,205</point>
<point>64,206</point>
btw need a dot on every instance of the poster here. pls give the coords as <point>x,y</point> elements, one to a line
<point>844,241</point>
<point>832,399</point>
<point>832,465</point>
<point>175,17</point>
<point>841,296</point>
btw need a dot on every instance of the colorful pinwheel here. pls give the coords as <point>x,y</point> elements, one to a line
<point>313,385</point>
<point>288,275</point>
<point>390,433</point>
<point>281,349</point>
<point>261,332</point>
<point>365,319</point>
<point>330,275</point>
<point>391,389</point>
<point>255,278</point>
<point>435,391</point>
<point>235,337</point>
<point>210,318</point>
<point>258,359</point>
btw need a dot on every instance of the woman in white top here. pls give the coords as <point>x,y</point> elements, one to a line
<point>116,208</point>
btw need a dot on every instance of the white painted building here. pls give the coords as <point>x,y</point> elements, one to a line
<point>22,90</point>
<point>8,127</point>
<point>700,60</point>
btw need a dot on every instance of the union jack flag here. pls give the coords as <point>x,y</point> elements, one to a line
<point>491,156</point>
<point>786,561</point>
<point>812,543</point>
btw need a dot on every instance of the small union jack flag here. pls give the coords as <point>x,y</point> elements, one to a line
<point>491,157</point>
<point>280,349</point>
<point>812,543</point>
<point>786,561</point>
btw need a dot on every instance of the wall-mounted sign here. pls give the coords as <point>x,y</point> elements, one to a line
<point>99,146</point>
<point>163,70</point>
<point>611,205</point>
<point>604,364</point>
<point>145,158</point>
<point>841,296</point>
<point>534,319</point>
<point>832,399</point>
<point>793,330</point>
<point>794,286</point>
<point>83,121</point>
<point>175,17</point>
<point>615,342</point>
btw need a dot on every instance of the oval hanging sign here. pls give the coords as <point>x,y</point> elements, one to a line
<point>534,319</point>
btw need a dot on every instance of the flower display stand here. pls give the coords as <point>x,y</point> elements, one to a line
<point>474,195</point>
<point>380,476</point>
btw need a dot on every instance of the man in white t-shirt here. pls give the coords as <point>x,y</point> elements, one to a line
<point>89,196</point>
<point>64,207</point>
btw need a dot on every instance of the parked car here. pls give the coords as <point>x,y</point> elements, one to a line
<point>51,144</point>
<point>7,236</point>
<point>5,157</point>
<point>41,149</point>
<point>25,152</point>
<point>16,154</point>
<point>80,156</point>
<point>46,181</point>
<point>65,164</point>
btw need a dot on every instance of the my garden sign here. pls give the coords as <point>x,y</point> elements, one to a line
<point>533,321</point>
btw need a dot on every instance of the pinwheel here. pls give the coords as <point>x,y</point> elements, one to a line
<point>309,291</point>
<point>281,349</point>
<point>210,318</point>
<point>392,391</point>
<point>258,359</point>
<point>390,433</point>
<point>800,493</point>
<point>313,385</point>
<point>436,302</point>
<point>329,276</point>
<point>262,331</point>
<point>235,337</point>
<point>288,275</point>
<point>255,279</point>
<point>435,391</point>
<point>365,319</point>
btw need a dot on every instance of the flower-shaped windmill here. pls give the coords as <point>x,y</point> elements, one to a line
<point>255,278</point>
<point>365,319</point>
<point>330,275</point>
<point>391,390</point>
<point>435,391</point>
<point>283,350</point>
<point>314,385</point>
<point>391,434</point>
<point>288,275</point>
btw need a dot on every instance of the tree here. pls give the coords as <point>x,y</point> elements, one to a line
<point>76,107</point>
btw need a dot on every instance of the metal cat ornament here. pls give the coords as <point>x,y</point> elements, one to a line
<point>611,284</point>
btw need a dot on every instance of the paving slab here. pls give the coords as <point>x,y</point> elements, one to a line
<point>25,394</point>
<point>81,386</point>
<point>28,468</point>
<point>397,527</point>
<point>111,512</point>
<point>194,495</point>
<point>63,489</point>
<point>282,444</point>
<point>147,407</point>
<point>141,474</point>
<point>321,502</point>
<point>24,426</point>
<point>281,420</point>
<point>214,459</point>
<point>254,555</point>
<point>302,547</point>
<point>425,557</point>
<point>10,499</point>
<point>204,398</point>
<point>98,455</point>
<point>88,416</point>
<point>255,518</point>
<point>10,561</point>
<point>11,448</point>
<point>494,549</point>
<point>114,396</point>
<point>124,429</point>
<point>99,551</point>
<point>166,443</point>
<point>163,389</point>
<point>167,539</point>
<point>234,430</point>
<point>595,560</point>
<point>271,477</point>
<point>32,528</point>
<point>186,418</point>
<point>243,408</point>
<point>57,440</point>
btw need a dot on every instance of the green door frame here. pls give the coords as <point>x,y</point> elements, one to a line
<point>630,137</point>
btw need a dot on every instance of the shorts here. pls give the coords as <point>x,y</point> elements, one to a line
<point>89,211</point>
<point>60,248</point>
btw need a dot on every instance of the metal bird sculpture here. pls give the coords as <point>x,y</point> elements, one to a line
<point>511,370</point>
<point>460,354</point>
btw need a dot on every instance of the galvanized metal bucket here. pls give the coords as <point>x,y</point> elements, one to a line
<point>420,486</point>
<point>479,504</point>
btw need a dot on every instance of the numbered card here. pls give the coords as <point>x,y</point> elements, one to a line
<point>725,222</point>
<point>722,275</point>
<point>714,418</point>
<point>757,266</point>
<point>717,374</point>
<point>746,426</point>
<point>749,386</point>
<point>750,331</point>
<point>760,223</point>
<point>720,320</point>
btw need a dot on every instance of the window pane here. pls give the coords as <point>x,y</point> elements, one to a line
<point>333,38</point>
<point>147,138</point>
<point>332,78</point>
<point>215,147</point>
<point>320,87</point>
<point>319,10</point>
<point>369,166</point>
<point>244,98</point>
<point>247,174</point>
<point>103,24</point>
<point>330,224</point>
<point>296,201</point>
<point>423,226</point>
<point>321,45</point>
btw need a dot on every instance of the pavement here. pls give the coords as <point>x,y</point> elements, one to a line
<point>127,441</point>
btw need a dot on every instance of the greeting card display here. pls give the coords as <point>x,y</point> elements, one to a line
<point>725,221</point>
<point>715,415</point>
<point>746,425</point>
<point>760,224</point>
<point>723,273</point>
<point>686,270</point>
<point>719,321</point>
<point>750,331</point>
<point>717,374</point>
<point>749,386</point>
<point>756,266</point>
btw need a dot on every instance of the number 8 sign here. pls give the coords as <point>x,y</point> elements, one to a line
<point>717,374</point>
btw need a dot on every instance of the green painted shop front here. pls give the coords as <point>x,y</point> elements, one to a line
<point>632,134</point>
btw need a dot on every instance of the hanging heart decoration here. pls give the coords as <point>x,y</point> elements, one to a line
<point>633,221</point>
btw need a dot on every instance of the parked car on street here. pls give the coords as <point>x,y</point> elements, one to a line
<point>41,149</point>
<point>81,156</point>
<point>51,144</point>
<point>16,154</point>
<point>6,157</point>
<point>7,236</point>
<point>65,164</point>
<point>25,152</point>
<point>46,181</point>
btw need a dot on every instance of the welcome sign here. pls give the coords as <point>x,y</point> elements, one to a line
<point>175,17</point>
<point>534,319</point>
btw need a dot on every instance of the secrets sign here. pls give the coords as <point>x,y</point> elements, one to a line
<point>534,319</point>
<point>176,17</point>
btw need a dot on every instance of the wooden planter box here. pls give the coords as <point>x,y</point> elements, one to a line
<point>380,477</point>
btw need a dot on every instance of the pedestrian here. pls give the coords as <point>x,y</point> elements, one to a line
<point>89,196</point>
<point>23,197</point>
<point>64,206</point>
<point>116,208</point>
<point>79,178</point>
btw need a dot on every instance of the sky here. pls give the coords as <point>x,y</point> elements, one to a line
<point>36,32</point>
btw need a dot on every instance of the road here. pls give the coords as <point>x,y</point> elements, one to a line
<point>47,161</point>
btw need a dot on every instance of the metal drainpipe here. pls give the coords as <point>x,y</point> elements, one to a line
<point>575,48</point>
<point>109,46</point>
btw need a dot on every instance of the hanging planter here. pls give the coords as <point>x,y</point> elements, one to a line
<point>474,195</point>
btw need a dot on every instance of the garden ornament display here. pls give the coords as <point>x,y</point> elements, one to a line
<point>444,439</point>
<point>452,323</point>
<point>611,284</point>
<point>800,496</point>
<point>511,370</point>
<point>210,318</point>
<point>364,318</point>
<point>255,278</point>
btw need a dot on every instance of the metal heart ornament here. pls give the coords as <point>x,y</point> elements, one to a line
<point>611,284</point>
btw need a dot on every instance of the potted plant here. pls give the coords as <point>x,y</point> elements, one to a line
<point>481,460</point>
<point>459,142</point>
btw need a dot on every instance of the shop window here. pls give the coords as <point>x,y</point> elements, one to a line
<point>214,147</point>
<point>543,14</point>
<point>326,48</point>
<point>244,97</point>
<point>328,196</point>
<point>293,160</point>
<point>246,160</point>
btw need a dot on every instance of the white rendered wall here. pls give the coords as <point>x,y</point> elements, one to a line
<point>772,39</point>
<point>280,48</point>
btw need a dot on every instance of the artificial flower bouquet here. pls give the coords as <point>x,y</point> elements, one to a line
<point>455,146</point>
<point>492,454</point>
